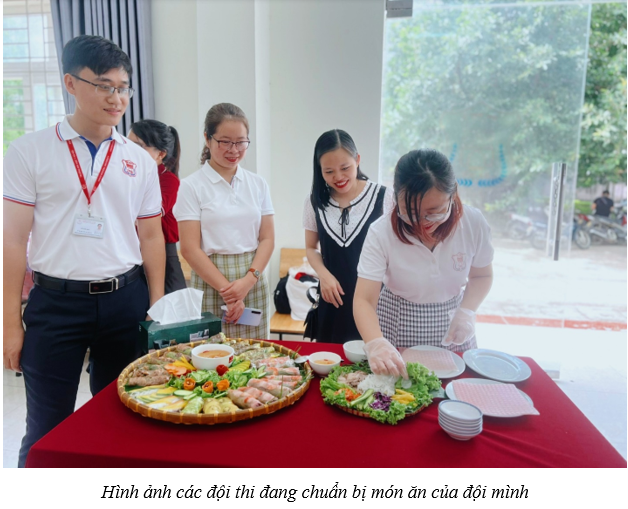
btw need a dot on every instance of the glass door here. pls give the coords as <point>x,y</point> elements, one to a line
<point>497,87</point>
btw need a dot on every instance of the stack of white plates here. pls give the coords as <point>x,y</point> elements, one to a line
<point>459,420</point>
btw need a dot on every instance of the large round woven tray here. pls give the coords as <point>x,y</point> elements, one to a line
<point>222,418</point>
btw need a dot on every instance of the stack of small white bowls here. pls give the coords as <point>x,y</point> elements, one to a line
<point>459,420</point>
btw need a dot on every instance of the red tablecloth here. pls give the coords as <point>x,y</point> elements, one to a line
<point>104,433</point>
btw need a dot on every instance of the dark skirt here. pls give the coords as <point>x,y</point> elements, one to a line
<point>336,325</point>
<point>175,280</point>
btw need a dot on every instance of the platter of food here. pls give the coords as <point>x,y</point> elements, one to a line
<point>214,381</point>
<point>388,399</point>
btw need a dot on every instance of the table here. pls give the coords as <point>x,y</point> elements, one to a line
<point>104,433</point>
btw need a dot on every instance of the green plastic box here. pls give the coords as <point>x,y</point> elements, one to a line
<point>156,336</point>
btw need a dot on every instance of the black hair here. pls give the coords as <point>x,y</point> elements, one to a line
<point>606,191</point>
<point>415,174</point>
<point>157,134</point>
<point>328,142</point>
<point>98,54</point>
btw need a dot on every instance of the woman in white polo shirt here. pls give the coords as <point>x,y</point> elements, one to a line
<point>226,226</point>
<point>433,257</point>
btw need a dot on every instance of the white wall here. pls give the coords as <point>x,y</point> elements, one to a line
<point>296,67</point>
<point>176,75</point>
<point>326,73</point>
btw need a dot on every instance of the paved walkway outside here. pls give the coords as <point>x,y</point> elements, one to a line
<point>584,286</point>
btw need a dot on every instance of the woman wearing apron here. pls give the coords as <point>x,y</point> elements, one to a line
<point>162,143</point>
<point>337,213</point>
<point>433,257</point>
<point>226,225</point>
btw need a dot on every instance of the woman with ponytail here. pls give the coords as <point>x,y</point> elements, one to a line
<point>225,217</point>
<point>162,143</point>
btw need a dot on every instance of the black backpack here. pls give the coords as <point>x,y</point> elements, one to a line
<point>282,304</point>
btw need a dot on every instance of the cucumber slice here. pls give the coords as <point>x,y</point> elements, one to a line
<point>183,393</point>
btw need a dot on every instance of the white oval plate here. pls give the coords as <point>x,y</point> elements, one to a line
<point>496,365</point>
<point>451,394</point>
<point>460,366</point>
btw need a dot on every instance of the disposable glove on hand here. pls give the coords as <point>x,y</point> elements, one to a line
<point>461,328</point>
<point>384,358</point>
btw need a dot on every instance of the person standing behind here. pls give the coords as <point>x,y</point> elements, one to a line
<point>162,143</point>
<point>338,212</point>
<point>603,206</point>
<point>61,183</point>
<point>225,217</point>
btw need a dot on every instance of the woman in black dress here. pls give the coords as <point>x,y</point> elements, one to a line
<point>337,213</point>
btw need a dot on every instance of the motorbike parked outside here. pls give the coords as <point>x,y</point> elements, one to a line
<point>606,230</point>
<point>519,227</point>
<point>579,234</point>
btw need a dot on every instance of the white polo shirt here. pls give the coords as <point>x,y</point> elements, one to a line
<point>415,273</point>
<point>39,172</point>
<point>230,214</point>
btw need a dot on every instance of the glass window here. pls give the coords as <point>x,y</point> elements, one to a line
<point>497,87</point>
<point>32,97</point>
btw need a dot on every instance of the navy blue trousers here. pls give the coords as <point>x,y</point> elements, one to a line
<point>60,327</point>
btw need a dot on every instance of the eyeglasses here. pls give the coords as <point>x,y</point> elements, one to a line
<point>429,218</point>
<point>107,90</point>
<point>226,145</point>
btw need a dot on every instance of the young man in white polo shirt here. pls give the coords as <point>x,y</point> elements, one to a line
<point>79,187</point>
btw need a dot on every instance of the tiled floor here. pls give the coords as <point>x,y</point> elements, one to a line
<point>14,412</point>
<point>592,373</point>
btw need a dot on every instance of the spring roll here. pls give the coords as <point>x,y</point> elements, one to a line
<point>242,399</point>
<point>262,396</point>
<point>282,371</point>
<point>276,362</point>
<point>211,406</point>
<point>284,378</point>
<point>145,381</point>
<point>276,390</point>
<point>257,353</point>
<point>226,405</point>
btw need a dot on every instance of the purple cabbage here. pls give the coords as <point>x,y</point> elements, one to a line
<point>382,402</point>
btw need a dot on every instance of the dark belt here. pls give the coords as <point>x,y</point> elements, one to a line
<point>91,287</point>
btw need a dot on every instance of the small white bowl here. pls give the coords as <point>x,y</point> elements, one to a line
<point>459,410</point>
<point>459,430</point>
<point>207,363</point>
<point>354,350</point>
<point>462,438</point>
<point>324,369</point>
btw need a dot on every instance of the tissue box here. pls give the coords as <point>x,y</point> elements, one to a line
<point>155,336</point>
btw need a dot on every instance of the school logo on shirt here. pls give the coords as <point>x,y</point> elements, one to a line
<point>128,167</point>
<point>460,261</point>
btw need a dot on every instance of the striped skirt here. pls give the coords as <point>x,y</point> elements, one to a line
<point>235,266</point>
<point>407,324</point>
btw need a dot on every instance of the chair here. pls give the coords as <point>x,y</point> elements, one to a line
<point>283,323</point>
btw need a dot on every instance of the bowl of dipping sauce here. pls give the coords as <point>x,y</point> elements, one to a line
<point>354,350</point>
<point>323,362</point>
<point>212,356</point>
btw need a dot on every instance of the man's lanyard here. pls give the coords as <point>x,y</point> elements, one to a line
<point>81,177</point>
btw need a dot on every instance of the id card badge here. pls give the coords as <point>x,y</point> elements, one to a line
<point>89,226</point>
